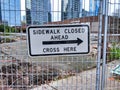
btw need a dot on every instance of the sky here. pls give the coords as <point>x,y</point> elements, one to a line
<point>56,16</point>
<point>55,6</point>
<point>23,7</point>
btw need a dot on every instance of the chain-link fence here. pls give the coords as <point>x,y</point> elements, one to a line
<point>96,70</point>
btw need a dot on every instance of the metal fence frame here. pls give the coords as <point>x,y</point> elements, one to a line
<point>19,71</point>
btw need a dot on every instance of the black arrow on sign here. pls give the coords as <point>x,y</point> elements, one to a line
<point>78,41</point>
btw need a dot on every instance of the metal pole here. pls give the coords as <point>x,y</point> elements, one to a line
<point>99,47</point>
<point>105,3</point>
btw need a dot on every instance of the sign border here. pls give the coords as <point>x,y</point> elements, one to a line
<point>54,26</point>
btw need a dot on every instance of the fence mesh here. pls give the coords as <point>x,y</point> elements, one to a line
<point>19,71</point>
<point>113,42</point>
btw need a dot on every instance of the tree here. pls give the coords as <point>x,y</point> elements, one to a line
<point>1,28</point>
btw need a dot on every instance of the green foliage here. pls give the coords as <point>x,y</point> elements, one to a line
<point>114,52</point>
<point>8,29</point>
<point>1,28</point>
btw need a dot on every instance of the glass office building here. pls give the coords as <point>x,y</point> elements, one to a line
<point>94,7</point>
<point>0,14</point>
<point>71,9</point>
<point>28,11</point>
<point>10,13</point>
<point>76,8</point>
<point>38,11</point>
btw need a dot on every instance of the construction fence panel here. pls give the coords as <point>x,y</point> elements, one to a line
<point>111,38</point>
<point>90,71</point>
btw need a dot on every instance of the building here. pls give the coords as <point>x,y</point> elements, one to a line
<point>71,9</point>
<point>94,7</point>
<point>24,18</point>
<point>28,11</point>
<point>85,13</point>
<point>10,13</point>
<point>0,14</point>
<point>38,12</point>
<point>76,8</point>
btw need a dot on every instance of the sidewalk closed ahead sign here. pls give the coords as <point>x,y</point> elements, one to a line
<point>58,40</point>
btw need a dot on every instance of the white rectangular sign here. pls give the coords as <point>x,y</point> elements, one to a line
<point>58,40</point>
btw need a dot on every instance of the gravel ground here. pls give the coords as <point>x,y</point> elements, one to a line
<point>84,80</point>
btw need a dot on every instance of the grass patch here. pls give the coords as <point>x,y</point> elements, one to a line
<point>114,52</point>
